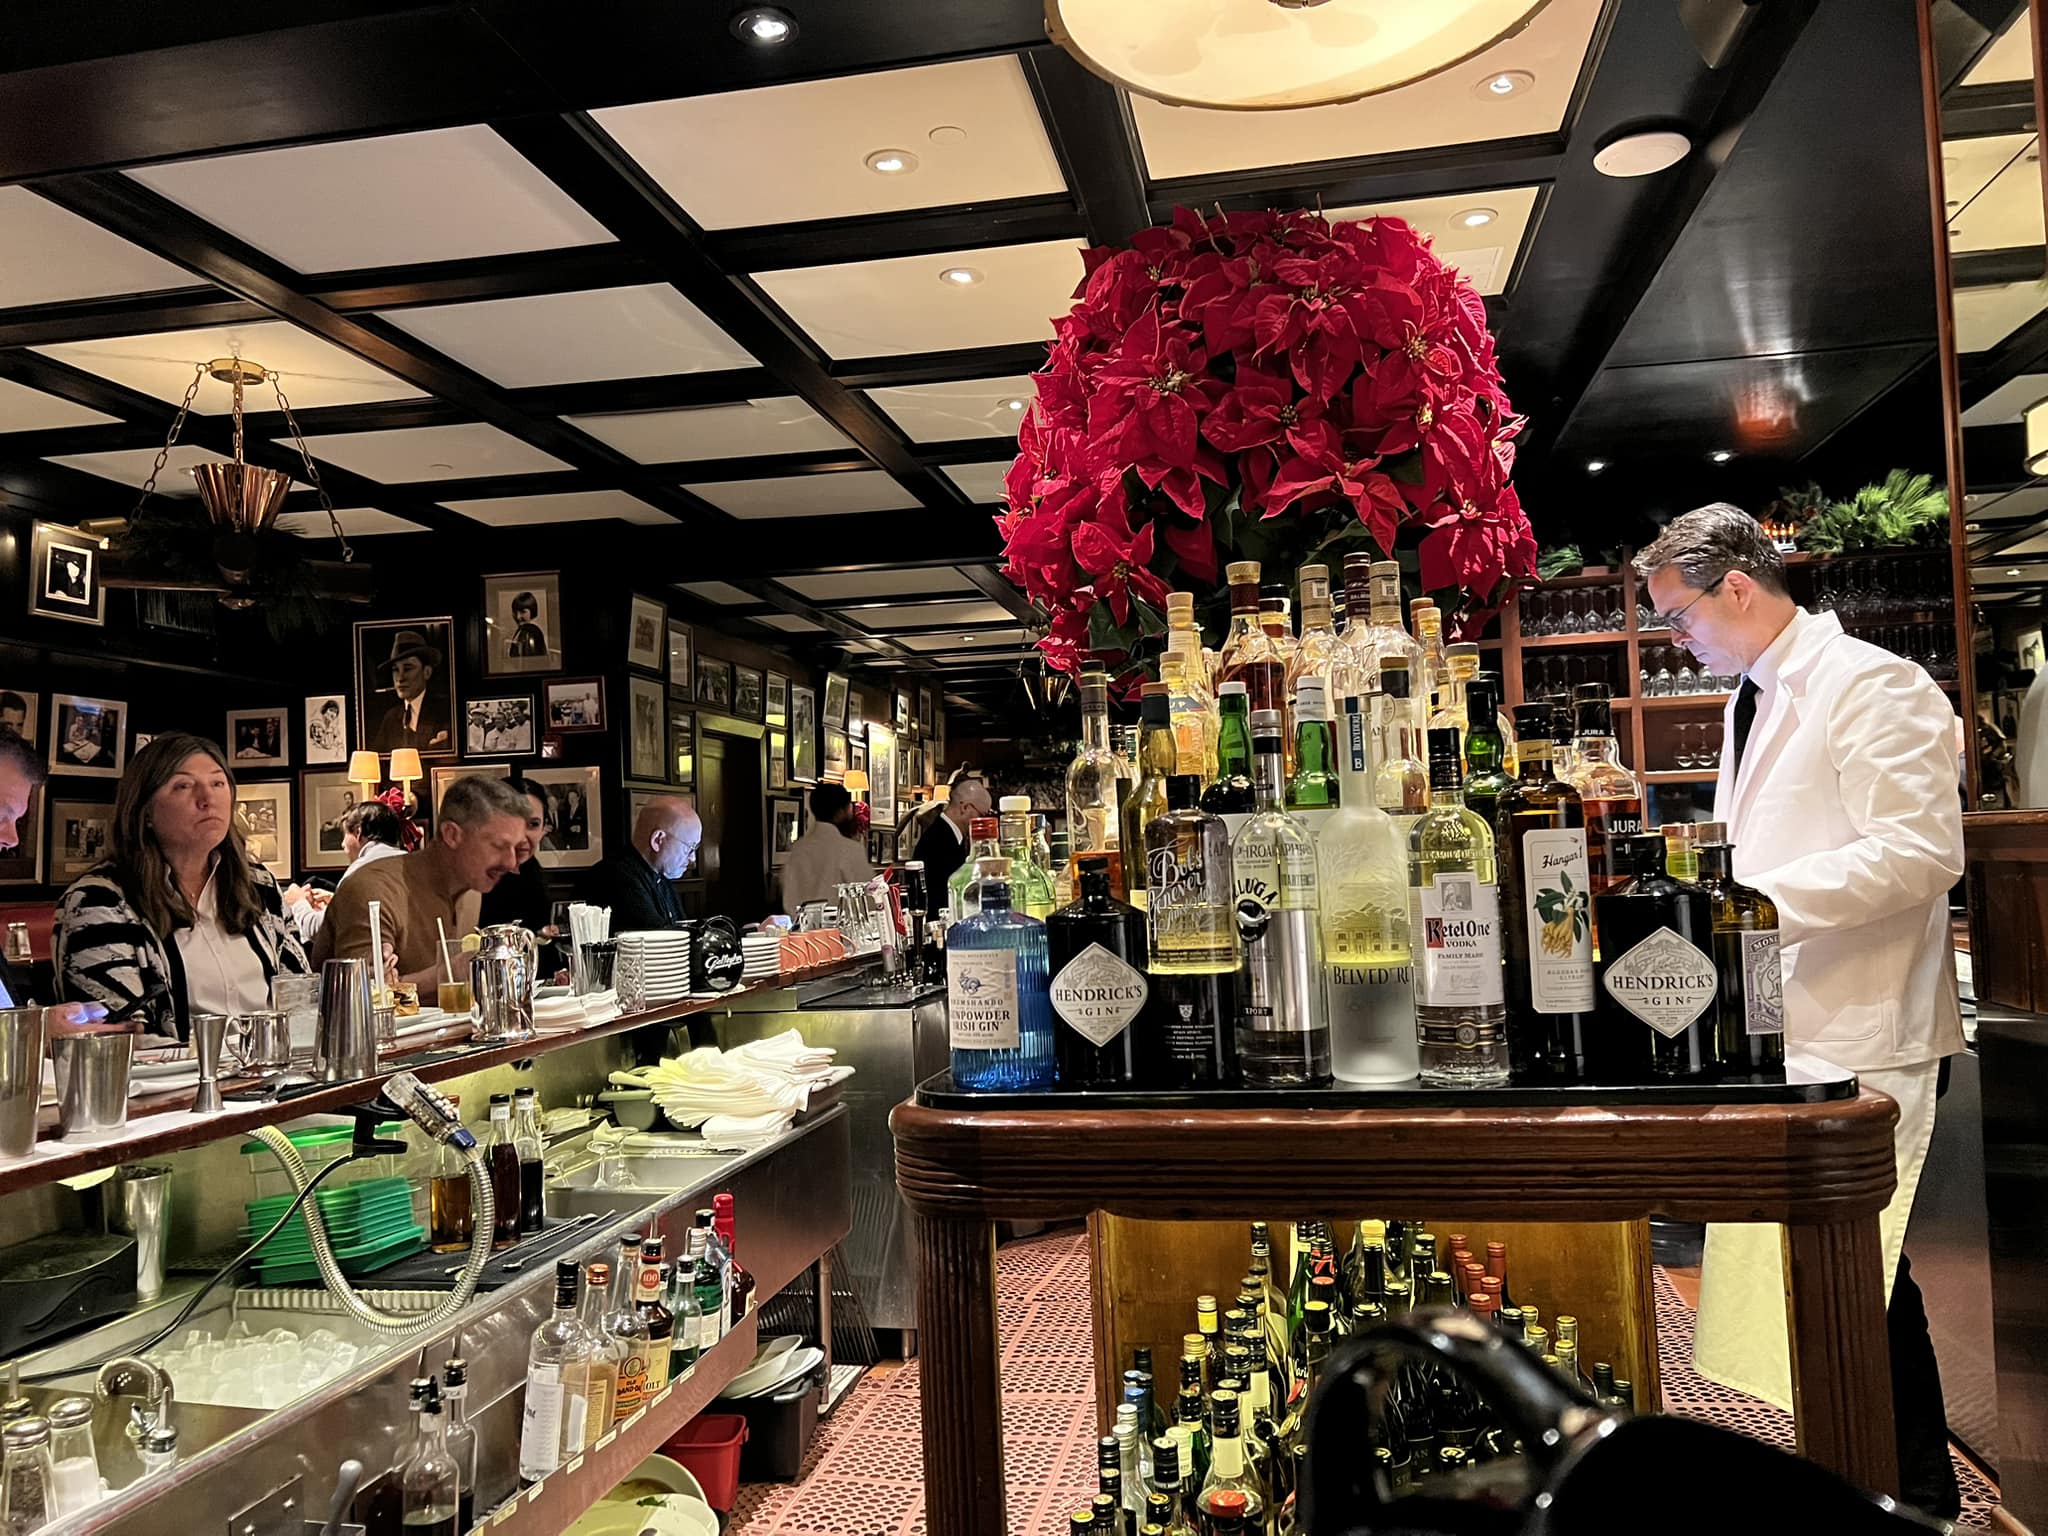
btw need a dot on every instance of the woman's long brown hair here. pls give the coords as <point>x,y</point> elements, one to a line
<point>144,872</point>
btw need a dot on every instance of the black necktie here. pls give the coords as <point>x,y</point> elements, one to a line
<point>1745,717</point>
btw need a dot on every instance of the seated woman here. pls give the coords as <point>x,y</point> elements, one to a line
<point>369,832</point>
<point>179,920</point>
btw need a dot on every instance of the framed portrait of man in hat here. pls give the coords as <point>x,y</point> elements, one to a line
<point>405,686</point>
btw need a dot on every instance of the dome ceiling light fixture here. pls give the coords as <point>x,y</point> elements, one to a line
<point>1643,152</point>
<point>1269,55</point>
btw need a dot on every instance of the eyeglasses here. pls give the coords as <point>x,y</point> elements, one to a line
<point>1675,622</point>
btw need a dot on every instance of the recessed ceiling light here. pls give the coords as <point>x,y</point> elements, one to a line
<point>765,26</point>
<point>2012,570</point>
<point>1722,455</point>
<point>947,133</point>
<point>891,162</point>
<point>961,277</point>
<point>1642,154</point>
<point>1509,82</point>
<point>967,637</point>
<point>1474,218</point>
<point>1013,404</point>
<point>1594,466</point>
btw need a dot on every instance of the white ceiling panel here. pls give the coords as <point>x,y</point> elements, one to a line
<point>986,639</point>
<point>928,615</point>
<point>562,507</point>
<point>2009,401</point>
<point>406,197</point>
<point>937,413</point>
<point>30,410</point>
<point>719,592</point>
<point>1999,213</point>
<point>964,132</point>
<point>2037,546</point>
<point>466,451</point>
<point>850,586</point>
<point>131,466</point>
<point>905,304</point>
<point>781,425</point>
<point>2006,506</point>
<point>48,254</point>
<point>861,490</point>
<point>314,372</point>
<point>356,522</point>
<point>1479,233</point>
<point>569,338</point>
<point>789,624</point>
<point>1986,316</point>
<point>1454,107</point>
<point>979,482</point>
<point>2010,56</point>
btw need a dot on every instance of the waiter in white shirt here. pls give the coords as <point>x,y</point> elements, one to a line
<point>1838,786</point>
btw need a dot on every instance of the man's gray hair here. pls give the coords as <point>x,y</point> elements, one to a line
<point>475,799</point>
<point>16,753</point>
<point>963,788</point>
<point>1708,542</point>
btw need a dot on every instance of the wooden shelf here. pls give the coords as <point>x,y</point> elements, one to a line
<point>1597,576</point>
<point>1562,642</point>
<point>1679,776</point>
<point>1683,701</point>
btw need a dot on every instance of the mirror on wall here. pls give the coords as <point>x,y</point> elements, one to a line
<point>1992,189</point>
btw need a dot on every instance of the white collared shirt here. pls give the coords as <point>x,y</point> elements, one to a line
<point>1764,670</point>
<point>223,973</point>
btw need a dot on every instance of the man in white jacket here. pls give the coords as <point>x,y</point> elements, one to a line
<point>1838,786</point>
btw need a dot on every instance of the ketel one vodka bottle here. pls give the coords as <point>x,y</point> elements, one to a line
<point>1750,1010</point>
<point>1658,982</point>
<point>1099,986</point>
<point>1283,1022</point>
<point>1546,899</point>
<point>1454,933</point>
<point>1187,1041</point>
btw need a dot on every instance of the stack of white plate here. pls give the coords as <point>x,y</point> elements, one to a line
<point>660,963</point>
<point>763,955</point>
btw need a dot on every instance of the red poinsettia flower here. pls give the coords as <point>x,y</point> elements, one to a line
<point>1117,559</point>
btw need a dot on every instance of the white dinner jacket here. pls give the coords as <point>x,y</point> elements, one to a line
<point>1847,816</point>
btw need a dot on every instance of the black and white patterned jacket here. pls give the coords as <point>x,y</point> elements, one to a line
<point>104,953</point>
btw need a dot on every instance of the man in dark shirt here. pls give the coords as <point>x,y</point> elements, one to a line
<point>638,884</point>
<point>943,848</point>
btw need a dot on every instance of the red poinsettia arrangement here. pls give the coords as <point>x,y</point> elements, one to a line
<point>1260,386</point>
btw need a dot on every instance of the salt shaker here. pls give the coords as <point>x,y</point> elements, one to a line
<point>26,1477</point>
<point>75,1465</point>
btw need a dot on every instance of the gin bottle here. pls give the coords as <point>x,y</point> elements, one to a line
<point>1099,988</point>
<point>963,896</point>
<point>997,1012</point>
<point>1097,781</point>
<point>1454,933</point>
<point>1546,897</point>
<point>1658,982</point>
<point>1750,1008</point>
<point>1283,1024</point>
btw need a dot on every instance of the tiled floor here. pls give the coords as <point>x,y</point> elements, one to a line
<point>863,1478</point>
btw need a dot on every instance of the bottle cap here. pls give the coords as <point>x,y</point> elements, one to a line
<point>1231,689</point>
<point>1241,573</point>
<point>1180,602</point>
<point>982,828</point>
<point>1265,722</point>
<point>1394,679</point>
<point>1482,700</point>
<point>1532,722</point>
<point>1444,743</point>
<point>1712,831</point>
<point>1585,691</point>
<point>1155,706</point>
<point>1311,699</point>
<point>1094,863</point>
<point>1230,1503</point>
<point>1183,791</point>
<point>1014,803</point>
<point>26,1434</point>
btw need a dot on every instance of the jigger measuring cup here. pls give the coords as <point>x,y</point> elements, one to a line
<point>209,1034</point>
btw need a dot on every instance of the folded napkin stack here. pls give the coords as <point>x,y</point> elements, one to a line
<point>740,1096</point>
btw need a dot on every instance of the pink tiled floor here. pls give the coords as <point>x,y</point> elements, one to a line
<point>863,1475</point>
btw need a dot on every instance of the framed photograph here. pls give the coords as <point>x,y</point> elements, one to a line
<point>551,748</point>
<point>575,834</point>
<point>939,738</point>
<point>64,576</point>
<point>143,739</point>
<point>803,735</point>
<point>523,623</point>
<point>266,813</point>
<point>326,729</point>
<point>714,684</point>
<point>491,726</point>
<point>647,635</point>
<point>324,798</point>
<point>646,729</point>
<point>902,711</point>
<point>442,775</point>
<point>81,832</point>
<point>23,863</point>
<point>835,700</point>
<point>682,743</point>
<point>881,847</point>
<point>924,710</point>
<point>835,753</point>
<point>856,753</point>
<point>18,715</point>
<point>882,775</point>
<point>784,817</point>
<point>778,760</point>
<point>574,704</point>
<point>778,700</point>
<point>405,686</point>
<point>748,692</point>
<point>256,738</point>
<point>679,659</point>
<point>88,737</point>
<point>853,714</point>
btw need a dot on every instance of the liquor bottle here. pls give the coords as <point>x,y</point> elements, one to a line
<point>1657,978</point>
<point>1191,1429</point>
<point>1613,799</point>
<point>963,897</point>
<point>1564,735</point>
<point>1096,950</point>
<point>1098,779</point>
<point>1547,931</point>
<point>1461,665</point>
<point>1227,1471</point>
<point>1427,622</point>
<point>1750,1005</point>
<point>531,1143</point>
<point>653,1310</point>
<point>688,1312</point>
<point>1486,757</point>
<point>1497,1268</point>
<point>430,1483</point>
<point>1158,759</point>
<point>461,1438</point>
<point>451,1209</point>
<point>739,1282</point>
<point>1247,642</point>
<point>1315,653</point>
<point>1187,1037</point>
<point>709,1287</point>
<point>1267,679</point>
<point>1454,933</point>
<point>1283,1028</point>
<point>1231,795</point>
<point>628,1331</point>
<point>1167,1484</point>
<point>1313,792</point>
<point>1365,922</point>
<point>1184,635</point>
<point>997,1011</point>
<point>1400,781</point>
<point>557,1384</point>
<point>1681,850</point>
<point>1192,707</point>
<point>501,1157</point>
<point>1030,882</point>
<point>603,1390</point>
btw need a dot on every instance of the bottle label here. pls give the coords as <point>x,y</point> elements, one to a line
<point>1556,890</point>
<point>1372,1020</point>
<point>1664,981</point>
<point>1763,984</point>
<point>1460,949</point>
<point>540,1423</point>
<point>1098,995</point>
<point>981,999</point>
<point>1609,823</point>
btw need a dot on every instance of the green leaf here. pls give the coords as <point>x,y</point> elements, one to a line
<point>1103,632</point>
<point>1150,620</point>
<point>1565,876</point>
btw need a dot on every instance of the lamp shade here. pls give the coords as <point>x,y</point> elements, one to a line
<point>2037,438</point>
<point>405,764</point>
<point>856,779</point>
<point>365,768</point>
<point>1263,55</point>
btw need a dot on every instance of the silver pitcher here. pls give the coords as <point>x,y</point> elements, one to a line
<point>21,1078</point>
<point>345,1049</point>
<point>502,978</point>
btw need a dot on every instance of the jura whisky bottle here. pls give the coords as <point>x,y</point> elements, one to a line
<point>1750,1008</point>
<point>1454,933</point>
<point>1612,797</point>
<point>1546,902</point>
<point>1099,985</point>
<point>1658,982</point>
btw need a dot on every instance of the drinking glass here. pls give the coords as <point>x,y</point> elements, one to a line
<point>1684,680</point>
<point>455,994</point>
<point>1682,750</point>
<point>1661,680</point>
<point>1713,750</point>
<point>1617,610</point>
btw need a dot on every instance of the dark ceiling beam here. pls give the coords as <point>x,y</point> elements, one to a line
<point>1490,164</point>
<point>2023,351</point>
<point>176,309</point>
<point>1089,123</point>
<point>1977,111</point>
<point>916,232</point>
<point>994,585</point>
<point>1015,358</point>
<point>1985,269</point>
<point>515,275</point>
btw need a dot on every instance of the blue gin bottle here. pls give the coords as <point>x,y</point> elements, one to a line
<point>998,1005</point>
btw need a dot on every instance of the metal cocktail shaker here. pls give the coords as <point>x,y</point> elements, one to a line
<point>346,1047</point>
<point>92,1084</point>
<point>144,1209</point>
<point>21,1078</point>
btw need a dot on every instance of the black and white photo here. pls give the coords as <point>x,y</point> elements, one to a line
<point>784,817</point>
<point>575,834</point>
<point>326,729</point>
<point>80,832</point>
<point>405,686</point>
<point>682,743</point>
<point>679,675</point>
<point>647,635</point>
<point>18,715</point>
<point>324,799</point>
<point>803,735</point>
<point>523,623</point>
<point>575,704</point>
<point>882,775</point>
<point>265,811</point>
<point>647,729</point>
<point>835,753</point>
<point>835,700</point>
<point>748,692</point>
<point>498,725</point>
<point>778,701</point>
<point>714,684</point>
<point>256,738</point>
<point>778,759</point>
<point>88,737</point>
<point>64,576</point>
